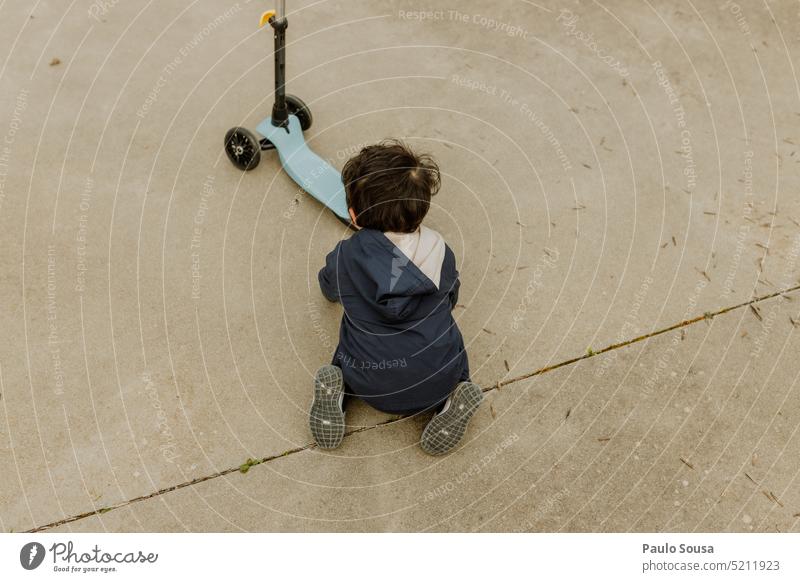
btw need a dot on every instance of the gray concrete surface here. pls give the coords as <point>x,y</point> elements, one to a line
<point>612,170</point>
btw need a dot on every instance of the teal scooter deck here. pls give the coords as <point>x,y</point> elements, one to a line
<point>311,172</point>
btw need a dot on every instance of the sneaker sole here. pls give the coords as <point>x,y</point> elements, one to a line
<point>446,430</point>
<point>326,418</point>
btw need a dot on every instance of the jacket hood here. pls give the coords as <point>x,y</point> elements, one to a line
<point>426,249</point>
<point>398,282</point>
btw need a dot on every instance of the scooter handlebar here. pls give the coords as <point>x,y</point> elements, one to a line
<point>265,17</point>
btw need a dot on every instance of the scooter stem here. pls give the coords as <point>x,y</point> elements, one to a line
<point>279,24</point>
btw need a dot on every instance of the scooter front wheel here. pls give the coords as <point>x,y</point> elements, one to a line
<point>242,147</point>
<point>298,108</point>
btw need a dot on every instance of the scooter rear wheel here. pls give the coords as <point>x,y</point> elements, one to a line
<point>242,147</point>
<point>298,108</point>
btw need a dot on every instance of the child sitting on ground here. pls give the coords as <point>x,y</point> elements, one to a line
<point>399,348</point>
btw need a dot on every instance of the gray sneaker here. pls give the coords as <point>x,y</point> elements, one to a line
<point>326,417</point>
<point>446,429</point>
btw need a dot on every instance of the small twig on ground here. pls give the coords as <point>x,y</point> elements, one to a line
<point>771,496</point>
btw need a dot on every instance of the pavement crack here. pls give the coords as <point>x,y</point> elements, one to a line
<point>253,462</point>
<point>249,463</point>
<point>708,315</point>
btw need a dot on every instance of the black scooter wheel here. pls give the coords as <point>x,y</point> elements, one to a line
<point>242,147</point>
<point>298,108</point>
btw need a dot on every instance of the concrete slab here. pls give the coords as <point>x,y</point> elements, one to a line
<point>161,312</point>
<point>695,429</point>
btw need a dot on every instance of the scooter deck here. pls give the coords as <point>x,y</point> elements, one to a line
<point>311,172</point>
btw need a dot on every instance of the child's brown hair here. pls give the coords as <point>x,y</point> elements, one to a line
<point>389,187</point>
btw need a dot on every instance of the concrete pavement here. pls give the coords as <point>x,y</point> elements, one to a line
<point>611,171</point>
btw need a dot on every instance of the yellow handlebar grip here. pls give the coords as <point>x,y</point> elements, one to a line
<point>265,17</point>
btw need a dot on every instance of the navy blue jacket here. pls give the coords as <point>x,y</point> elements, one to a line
<point>399,348</point>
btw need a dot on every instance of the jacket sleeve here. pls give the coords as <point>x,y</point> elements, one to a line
<point>454,292</point>
<point>328,276</point>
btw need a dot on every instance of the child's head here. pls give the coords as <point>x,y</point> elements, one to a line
<point>389,187</point>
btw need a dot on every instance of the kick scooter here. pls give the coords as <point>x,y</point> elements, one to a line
<point>283,131</point>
